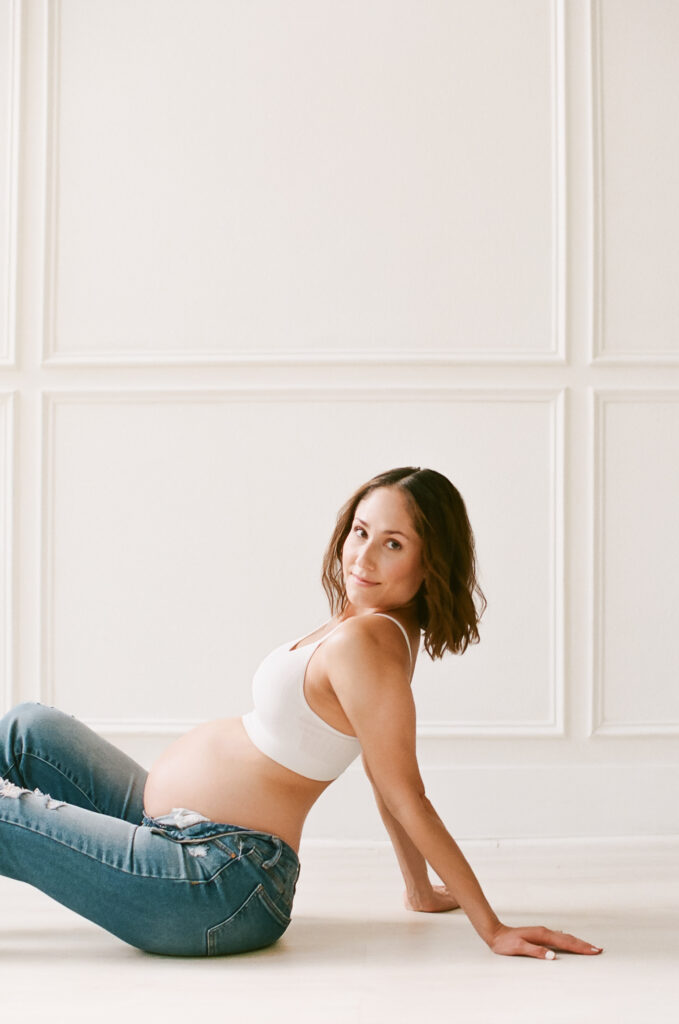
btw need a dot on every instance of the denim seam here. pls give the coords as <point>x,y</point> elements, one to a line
<point>211,931</point>
<point>132,874</point>
<point>261,896</point>
<point>282,917</point>
<point>58,769</point>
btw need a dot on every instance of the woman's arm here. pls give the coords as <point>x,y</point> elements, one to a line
<point>420,894</point>
<point>372,684</point>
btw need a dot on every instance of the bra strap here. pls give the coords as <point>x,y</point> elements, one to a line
<point>385,616</point>
<point>293,647</point>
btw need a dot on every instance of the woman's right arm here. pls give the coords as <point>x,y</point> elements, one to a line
<point>374,690</point>
<point>420,894</point>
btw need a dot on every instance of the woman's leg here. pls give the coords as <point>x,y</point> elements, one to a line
<point>208,889</point>
<point>196,894</point>
<point>43,748</point>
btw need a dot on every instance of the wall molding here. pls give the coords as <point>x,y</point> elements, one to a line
<point>553,356</point>
<point>52,21</point>
<point>498,799</point>
<point>554,398</point>
<point>11,149</point>
<point>559,182</point>
<point>598,354</point>
<point>597,210</point>
<point>7,581</point>
<point>301,357</point>
<point>598,725</point>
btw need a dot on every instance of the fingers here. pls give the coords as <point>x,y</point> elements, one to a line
<point>539,943</point>
<point>570,944</point>
<point>540,952</point>
<point>562,941</point>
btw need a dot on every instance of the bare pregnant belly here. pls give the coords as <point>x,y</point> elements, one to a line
<point>217,770</point>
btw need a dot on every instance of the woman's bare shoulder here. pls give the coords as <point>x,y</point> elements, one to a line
<point>368,668</point>
<point>371,639</point>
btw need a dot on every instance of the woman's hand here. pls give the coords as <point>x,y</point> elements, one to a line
<point>537,942</point>
<point>436,899</point>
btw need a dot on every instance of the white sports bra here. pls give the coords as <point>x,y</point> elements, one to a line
<point>283,725</point>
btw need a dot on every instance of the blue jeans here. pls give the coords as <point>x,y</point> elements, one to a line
<point>72,823</point>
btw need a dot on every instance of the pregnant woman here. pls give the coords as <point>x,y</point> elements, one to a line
<point>199,856</point>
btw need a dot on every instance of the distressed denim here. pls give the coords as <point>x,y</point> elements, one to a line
<point>72,823</point>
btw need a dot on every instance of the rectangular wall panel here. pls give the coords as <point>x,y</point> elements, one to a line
<point>636,43</point>
<point>6,549</point>
<point>274,185</point>
<point>636,660</point>
<point>510,451</point>
<point>173,567</point>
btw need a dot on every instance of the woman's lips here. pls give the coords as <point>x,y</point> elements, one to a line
<point>362,582</point>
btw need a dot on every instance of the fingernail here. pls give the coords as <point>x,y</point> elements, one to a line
<point>597,949</point>
<point>550,955</point>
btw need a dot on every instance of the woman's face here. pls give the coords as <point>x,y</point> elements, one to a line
<point>382,555</point>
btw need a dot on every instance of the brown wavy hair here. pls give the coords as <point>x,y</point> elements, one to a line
<point>450,601</point>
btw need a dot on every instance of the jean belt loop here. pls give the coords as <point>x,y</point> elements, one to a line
<point>275,858</point>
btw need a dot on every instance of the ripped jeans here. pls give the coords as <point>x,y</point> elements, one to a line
<point>72,823</point>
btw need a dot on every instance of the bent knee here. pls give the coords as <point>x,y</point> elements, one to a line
<point>31,713</point>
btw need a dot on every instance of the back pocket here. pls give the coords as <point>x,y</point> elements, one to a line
<point>257,923</point>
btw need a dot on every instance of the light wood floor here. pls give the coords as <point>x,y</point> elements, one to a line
<point>352,954</point>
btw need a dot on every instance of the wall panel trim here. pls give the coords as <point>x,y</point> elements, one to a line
<point>555,355</point>
<point>10,148</point>
<point>552,397</point>
<point>599,355</point>
<point>598,726</point>
<point>7,583</point>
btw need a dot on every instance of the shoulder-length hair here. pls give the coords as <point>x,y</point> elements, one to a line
<point>450,601</point>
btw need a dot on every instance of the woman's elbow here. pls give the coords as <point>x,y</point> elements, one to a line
<point>405,800</point>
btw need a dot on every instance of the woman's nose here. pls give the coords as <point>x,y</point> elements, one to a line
<point>365,556</point>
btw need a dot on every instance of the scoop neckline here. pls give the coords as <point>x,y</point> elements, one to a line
<point>294,648</point>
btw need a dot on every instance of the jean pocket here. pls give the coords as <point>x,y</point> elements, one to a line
<point>258,922</point>
<point>280,869</point>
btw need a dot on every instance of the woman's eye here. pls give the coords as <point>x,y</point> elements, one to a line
<point>359,529</point>
<point>398,546</point>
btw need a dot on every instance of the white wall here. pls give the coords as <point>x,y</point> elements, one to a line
<point>252,254</point>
